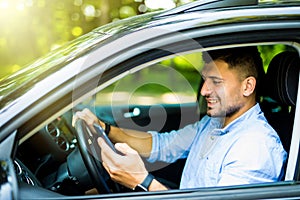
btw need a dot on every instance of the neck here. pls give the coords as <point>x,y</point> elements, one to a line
<point>241,111</point>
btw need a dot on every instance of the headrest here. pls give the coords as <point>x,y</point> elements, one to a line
<point>281,80</point>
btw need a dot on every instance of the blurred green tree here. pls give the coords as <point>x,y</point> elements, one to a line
<point>32,28</point>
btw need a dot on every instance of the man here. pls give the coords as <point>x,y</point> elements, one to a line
<point>232,145</point>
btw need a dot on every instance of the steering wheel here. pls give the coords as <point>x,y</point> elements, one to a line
<point>90,152</point>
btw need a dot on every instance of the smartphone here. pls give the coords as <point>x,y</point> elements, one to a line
<point>103,135</point>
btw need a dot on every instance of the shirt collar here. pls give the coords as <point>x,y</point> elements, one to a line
<point>218,122</point>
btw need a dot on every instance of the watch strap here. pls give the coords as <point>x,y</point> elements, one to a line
<point>146,183</point>
<point>107,128</point>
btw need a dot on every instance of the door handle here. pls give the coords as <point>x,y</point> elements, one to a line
<point>135,112</point>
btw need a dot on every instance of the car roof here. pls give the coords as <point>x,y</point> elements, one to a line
<point>202,12</point>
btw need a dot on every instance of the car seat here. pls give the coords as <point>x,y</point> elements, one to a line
<point>280,87</point>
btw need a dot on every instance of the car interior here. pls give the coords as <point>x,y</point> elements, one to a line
<point>51,159</point>
<point>279,85</point>
<point>279,102</point>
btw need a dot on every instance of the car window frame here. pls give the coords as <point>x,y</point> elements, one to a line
<point>292,172</point>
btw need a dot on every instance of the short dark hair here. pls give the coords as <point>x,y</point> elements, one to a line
<point>246,60</point>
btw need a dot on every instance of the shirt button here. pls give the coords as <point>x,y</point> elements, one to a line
<point>212,137</point>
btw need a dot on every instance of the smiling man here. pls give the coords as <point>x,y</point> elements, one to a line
<point>232,145</point>
<point>230,80</point>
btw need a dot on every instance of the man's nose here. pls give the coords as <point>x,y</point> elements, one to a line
<point>205,90</point>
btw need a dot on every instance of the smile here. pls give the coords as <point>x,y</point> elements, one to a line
<point>211,100</point>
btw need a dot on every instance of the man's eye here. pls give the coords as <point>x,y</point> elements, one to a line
<point>216,82</point>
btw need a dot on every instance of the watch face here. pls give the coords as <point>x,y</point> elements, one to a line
<point>140,188</point>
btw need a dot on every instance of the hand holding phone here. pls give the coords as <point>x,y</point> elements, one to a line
<point>101,133</point>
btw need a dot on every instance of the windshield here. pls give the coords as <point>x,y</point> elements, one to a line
<point>17,84</point>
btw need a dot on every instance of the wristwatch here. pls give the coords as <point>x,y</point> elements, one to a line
<point>144,186</point>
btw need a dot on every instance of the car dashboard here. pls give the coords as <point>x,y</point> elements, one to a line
<point>42,160</point>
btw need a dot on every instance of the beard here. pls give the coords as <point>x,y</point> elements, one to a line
<point>231,110</point>
<point>225,112</point>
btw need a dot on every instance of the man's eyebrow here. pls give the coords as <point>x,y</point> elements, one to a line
<point>216,77</point>
<point>212,77</point>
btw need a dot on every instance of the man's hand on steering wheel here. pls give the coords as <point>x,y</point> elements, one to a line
<point>89,118</point>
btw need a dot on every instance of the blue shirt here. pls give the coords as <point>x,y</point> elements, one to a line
<point>246,151</point>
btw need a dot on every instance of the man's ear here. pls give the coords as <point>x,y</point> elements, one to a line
<point>249,85</point>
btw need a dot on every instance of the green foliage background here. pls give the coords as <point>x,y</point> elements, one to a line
<point>32,28</point>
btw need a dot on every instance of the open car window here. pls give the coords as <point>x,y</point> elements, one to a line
<point>158,92</point>
<point>171,81</point>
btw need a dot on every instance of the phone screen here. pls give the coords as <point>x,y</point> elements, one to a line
<point>103,135</point>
